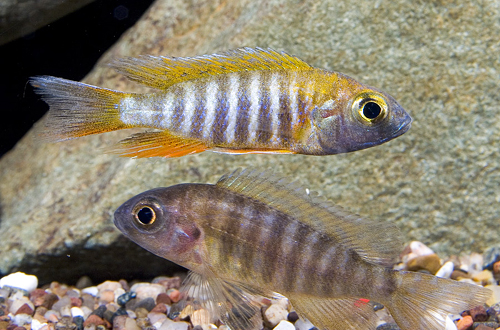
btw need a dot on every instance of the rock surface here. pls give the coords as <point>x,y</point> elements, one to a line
<point>438,183</point>
<point>20,17</point>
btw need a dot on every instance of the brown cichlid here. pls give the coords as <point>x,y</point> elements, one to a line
<point>242,101</point>
<point>255,234</point>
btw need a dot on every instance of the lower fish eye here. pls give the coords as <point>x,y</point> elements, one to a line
<point>371,110</point>
<point>145,215</point>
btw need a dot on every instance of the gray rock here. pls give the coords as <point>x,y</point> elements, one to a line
<point>438,183</point>
<point>20,17</point>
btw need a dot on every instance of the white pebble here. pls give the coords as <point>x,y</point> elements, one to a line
<point>109,286</point>
<point>200,317</point>
<point>303,324</point>
<point>147,290</point>
<point>450,325</point>
<point>420,248</point>
<point>36,325</point>
<point>16,301</point>
<point>91,290</point>
<point>131,324</point>
<point>77,311</point>
<point>284,325</point>
<point>445,270</point>
<point>20,280</point>
<point>118,292</point>
<point>155,318</point>
<point>86,312</point>
<point>22,319</point>
<point>66,311</point>
<point>171,325</point>
<point>283,302</point>
<point>274,314</point>
<point>495,297</point>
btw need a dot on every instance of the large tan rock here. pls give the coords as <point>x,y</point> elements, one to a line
<point>438,183</point>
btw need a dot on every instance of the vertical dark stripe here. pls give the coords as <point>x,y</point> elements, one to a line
<point>285,128</point>
<point>199,112</point>
<point>264,128</point>
<point>273,245</point>
<point>300,237</point>
<point>241,134</point>
<point>222,108</point>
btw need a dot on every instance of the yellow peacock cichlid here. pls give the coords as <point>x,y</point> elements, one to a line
<point>242,101</point>
<point>255,234</point>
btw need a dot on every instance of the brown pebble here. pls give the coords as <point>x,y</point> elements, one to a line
<point>49,300</point>
<point>83,282</point>
<point>483,327</point>
<point>41,310</point>
<point>40,318</point>
<point>479,314</point>
<point>141,312</point>
<point>24,309</point>
<point>430,262</point>
<point>119,322</point>
<point>163,298</point>
<point>76,302</point>
<point>37,297</point>
<point>143,322</point>
<point>58,288</point>
<point>464,323</point>
<point>458,274</point>
<point>169,282</point>
<point>159,308</point>
<point>107,296</point>
<point>174,295</point>
<point>292,317</point>
<point>125,285</point>
<point>93,319</point>
<point>496,267</point>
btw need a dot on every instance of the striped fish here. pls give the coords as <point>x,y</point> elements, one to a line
<point>253,234</point>
<point>242,101</point>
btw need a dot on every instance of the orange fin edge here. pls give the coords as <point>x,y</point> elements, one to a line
<point>156,144</point>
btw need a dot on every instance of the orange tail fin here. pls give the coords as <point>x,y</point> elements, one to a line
<point>77,109</point>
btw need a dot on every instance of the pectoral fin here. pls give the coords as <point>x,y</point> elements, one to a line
<point>233,304</point>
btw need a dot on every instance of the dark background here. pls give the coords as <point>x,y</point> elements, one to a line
<point>67,48</point>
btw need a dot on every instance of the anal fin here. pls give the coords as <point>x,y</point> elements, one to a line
<point>333,314</point>
<point>156,144</point>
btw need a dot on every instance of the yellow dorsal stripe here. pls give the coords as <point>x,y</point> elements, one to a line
<point>163,72</point>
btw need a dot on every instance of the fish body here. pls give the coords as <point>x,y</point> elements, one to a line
<point>243,101</point>
<point>253,233</point>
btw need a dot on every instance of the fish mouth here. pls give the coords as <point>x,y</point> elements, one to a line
<point>404,127</point>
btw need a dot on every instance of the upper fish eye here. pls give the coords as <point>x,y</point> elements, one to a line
<point>145,215</point>
<point>370,108</point>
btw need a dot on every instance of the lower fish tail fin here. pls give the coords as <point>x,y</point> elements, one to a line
<point>423,301</point>
<point>77,109</point>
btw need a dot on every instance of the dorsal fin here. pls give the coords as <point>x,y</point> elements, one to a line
<point>163,72</point>
<point>376,242</point>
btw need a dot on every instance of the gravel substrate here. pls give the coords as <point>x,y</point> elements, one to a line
<point>148,306</point>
